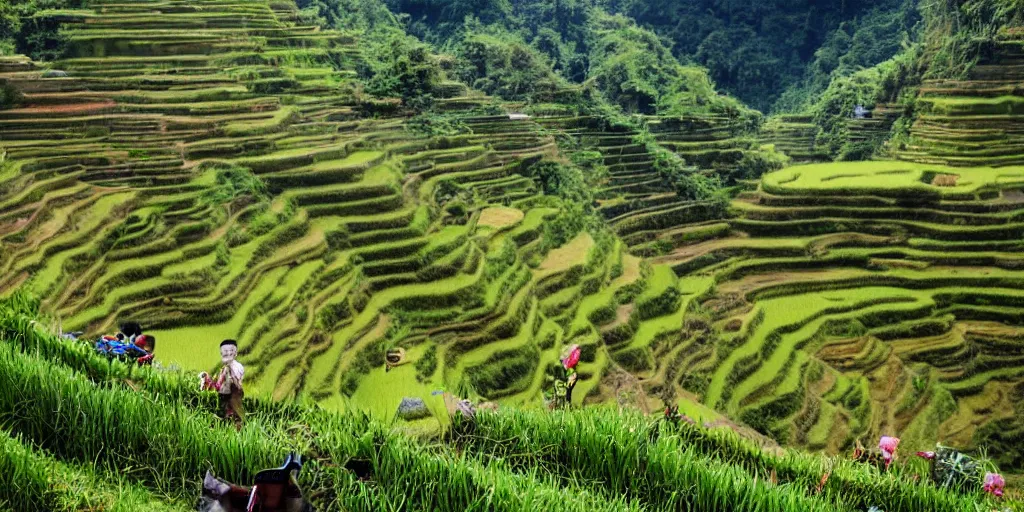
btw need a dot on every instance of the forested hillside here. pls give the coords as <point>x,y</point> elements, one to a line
<point>517,50</point>
<point>756,52</point>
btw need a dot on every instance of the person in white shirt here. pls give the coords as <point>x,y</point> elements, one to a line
<point>229,383</point>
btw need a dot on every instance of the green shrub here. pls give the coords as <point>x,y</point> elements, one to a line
<point>663,304</point>
<point>755,164</point>
<point>333,314</point>
<point>9,95</point>
<point>504,372</point>
<point>397,65</point>
<point>426,365</point>
<point>636,360</point>
<point>563,180</point>
<point>501,64</point>
<point>436,125</point>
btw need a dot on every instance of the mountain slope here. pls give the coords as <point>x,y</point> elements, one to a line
<point>237,170</point>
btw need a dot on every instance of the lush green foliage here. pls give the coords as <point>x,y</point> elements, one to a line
<point>877,36</point>
<point>684,179</point>
<point>575,190</point>
<point>233,183</point>
<point>755,164</point>
<point>500,63</point>
<point>398,65</point>
<point>431,124</point>
<point>355,15</point>
<point>392,64</point>
<point>633,68</point>
<point>28,27</point>
<point>889,81</point>
<point>565,181</point>
<point>753,50</point>
<point>883,56</point>
<point>528,50</point>
<point>959,32</point>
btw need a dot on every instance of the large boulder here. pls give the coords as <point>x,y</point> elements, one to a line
<point>412,409</point>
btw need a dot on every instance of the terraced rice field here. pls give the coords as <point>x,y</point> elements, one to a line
<point>978,120</point>
<point>836,303</point>
<point>795,136</point>
<point>129,193</point>
<point>858,299</point>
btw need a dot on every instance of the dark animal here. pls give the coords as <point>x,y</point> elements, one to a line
<point>131,329</point>
<point>273,490</point>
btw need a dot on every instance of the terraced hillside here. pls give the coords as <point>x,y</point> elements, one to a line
<point>637,200</point>
<point>213,170</point>
<point>795,136</point>
<point>860,299</point>
<point>978,120</point>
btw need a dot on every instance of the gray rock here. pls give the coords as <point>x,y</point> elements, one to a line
<point>413,409</point>
<point>467,409</point>
<point>55,73</point>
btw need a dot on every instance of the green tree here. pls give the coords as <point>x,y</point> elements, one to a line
<point>503,64</point>
<point>398,65</point>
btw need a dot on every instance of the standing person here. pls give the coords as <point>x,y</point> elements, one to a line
<point>229,383</point>
<point>565,382</point>
<point>569,363</point>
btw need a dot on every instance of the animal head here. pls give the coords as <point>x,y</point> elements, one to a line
<point>214,487</point>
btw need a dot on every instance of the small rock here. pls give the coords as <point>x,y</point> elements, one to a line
<point>467,409</point>
<point>413,409</point>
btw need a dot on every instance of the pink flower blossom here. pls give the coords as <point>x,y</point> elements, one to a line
<point>573,358</point>
<point>888,447</point>
<point>994,484</point>
<point>926,455</point>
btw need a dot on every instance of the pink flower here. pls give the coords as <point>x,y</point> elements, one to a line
<point>926,455</point>
<point>994,484</point>
<point>888,446</point>
<point>573,358</point>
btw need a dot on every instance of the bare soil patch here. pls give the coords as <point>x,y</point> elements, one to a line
<point>65,108</point>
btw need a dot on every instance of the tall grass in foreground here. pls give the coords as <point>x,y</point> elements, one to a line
<point>168,447</point>
<point>32,481</point>
<point>628,453</point>
<point>19,326</point>
<point>158,429</point>
<point>408,475</point>
<point>625,462</point>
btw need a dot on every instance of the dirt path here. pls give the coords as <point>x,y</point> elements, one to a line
<point>66,108</point>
